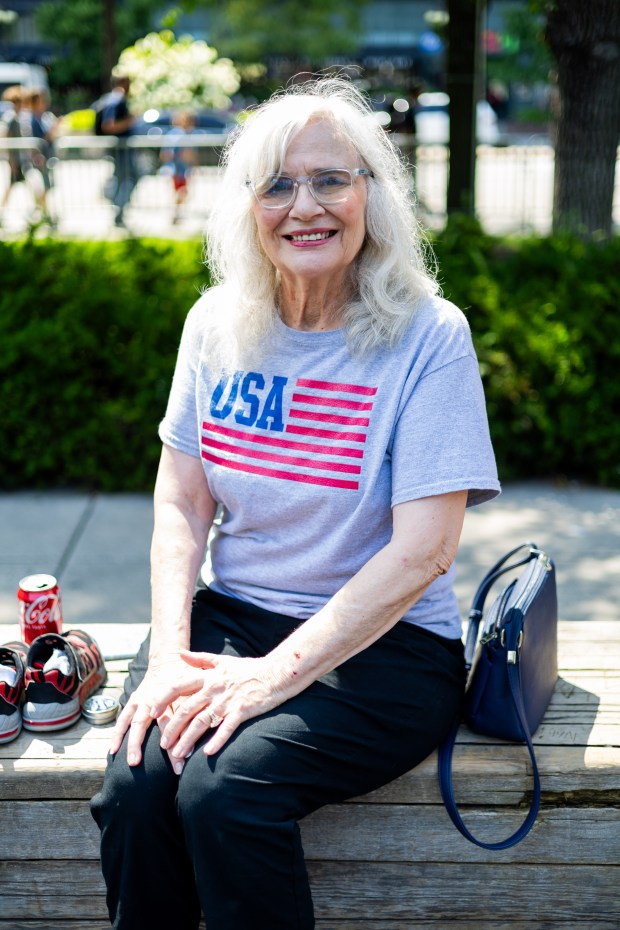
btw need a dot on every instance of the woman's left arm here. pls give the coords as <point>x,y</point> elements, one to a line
<point>424,542</point>
<point>425,538</point>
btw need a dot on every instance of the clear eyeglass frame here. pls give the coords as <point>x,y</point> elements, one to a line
<point>271,198</point>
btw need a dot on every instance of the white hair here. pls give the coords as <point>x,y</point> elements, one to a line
<point>390,275</point>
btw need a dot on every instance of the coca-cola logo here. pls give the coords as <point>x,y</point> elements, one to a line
<point>41,611</point>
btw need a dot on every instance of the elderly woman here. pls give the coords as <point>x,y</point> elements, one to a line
<point>327,406</point>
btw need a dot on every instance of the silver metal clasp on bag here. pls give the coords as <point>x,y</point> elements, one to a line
<point>511,655</point>
<point>488,638</point>
<point>543,558</point>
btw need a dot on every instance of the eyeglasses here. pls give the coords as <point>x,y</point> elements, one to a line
<point>331,185</point>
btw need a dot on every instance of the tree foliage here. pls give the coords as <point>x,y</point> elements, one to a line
<point>527,59</point>
<point>77,29</point>
<point>248,31</point>
<point>253,30</point>
<point>169,73</point>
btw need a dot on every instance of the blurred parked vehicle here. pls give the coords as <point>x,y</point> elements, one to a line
<point>151,123</point>
<point>23,75</point>
<point>157,122</point>
<point>432,121</point>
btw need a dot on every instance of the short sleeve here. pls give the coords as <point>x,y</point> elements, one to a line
<point>108,112</point>
<point>180,427</point>
<point>441,439</point>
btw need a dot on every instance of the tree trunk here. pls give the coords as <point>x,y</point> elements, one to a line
<point>109,40</point>
<point>464,55</point>
<point>584,37</point>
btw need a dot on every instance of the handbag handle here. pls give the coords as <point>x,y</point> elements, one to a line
<point>475,614</point>
<point>447,747</point>
<point>445,775</point>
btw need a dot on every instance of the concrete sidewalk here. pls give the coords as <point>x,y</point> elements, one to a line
<point>98,548</point>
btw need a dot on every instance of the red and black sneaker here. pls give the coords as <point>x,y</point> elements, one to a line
<point>12,658</point>
<point>61,672</point>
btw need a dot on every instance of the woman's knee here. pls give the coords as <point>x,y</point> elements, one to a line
<point>208,793</point>
<point>215,792</point>
<point>135,792</point>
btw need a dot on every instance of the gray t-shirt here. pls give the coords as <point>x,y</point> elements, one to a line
<point>307,452</point>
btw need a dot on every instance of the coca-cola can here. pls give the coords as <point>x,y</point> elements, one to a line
<point>40,608</point>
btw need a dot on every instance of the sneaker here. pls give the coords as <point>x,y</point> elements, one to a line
<point>62,670</point>
<point>12,658</point>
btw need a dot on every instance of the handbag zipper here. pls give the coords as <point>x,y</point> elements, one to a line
<point>493,632</point>
<point>541,566</point>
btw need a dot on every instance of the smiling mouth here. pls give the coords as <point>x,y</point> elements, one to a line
<point>312,237</point>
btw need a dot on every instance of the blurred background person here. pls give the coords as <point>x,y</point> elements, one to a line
<point>498,96</point>
<point>179,159</point>
<point>114,118</point>
<point>10,129</point>
<point>37,122</point>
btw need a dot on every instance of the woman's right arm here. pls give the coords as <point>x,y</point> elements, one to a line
<point>184,512</point>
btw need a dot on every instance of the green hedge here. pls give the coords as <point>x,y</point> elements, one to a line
<point>545,314</point>
<point>89,333</point>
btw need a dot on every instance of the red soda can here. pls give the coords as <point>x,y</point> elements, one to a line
<point>39,606</point>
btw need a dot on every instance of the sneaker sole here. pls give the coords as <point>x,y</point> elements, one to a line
<point>11,727</point>
<point>43,718</point>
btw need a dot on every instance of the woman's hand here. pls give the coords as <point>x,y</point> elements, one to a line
<point>164,719</point>
<point>163,684</point>
<point>233,690</point>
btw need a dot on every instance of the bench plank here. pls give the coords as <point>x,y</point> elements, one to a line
<point>428,923</point>
<point>361,891</point>
<point>567,775</point>
<point>59,830</point>
<point>450,890</point>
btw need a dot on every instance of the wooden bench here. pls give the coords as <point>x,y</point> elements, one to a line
<point>390,860</point>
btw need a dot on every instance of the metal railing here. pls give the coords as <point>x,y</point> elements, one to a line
<point>95,179</point>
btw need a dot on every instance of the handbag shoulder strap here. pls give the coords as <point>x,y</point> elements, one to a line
<point>445,775</point>
<point>505,564</point>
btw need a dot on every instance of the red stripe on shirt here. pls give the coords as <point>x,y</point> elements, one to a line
<point>324,433</point>
<point>319,464</point>
<point>286,475</point>
<point>329,417</point>
<point>284,443</point>
<point>332,402</point>
<point>334,386</point>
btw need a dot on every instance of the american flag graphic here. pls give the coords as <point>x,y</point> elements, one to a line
<point>322,441</point>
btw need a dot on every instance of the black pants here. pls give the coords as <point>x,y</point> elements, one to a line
<point>224,837</point>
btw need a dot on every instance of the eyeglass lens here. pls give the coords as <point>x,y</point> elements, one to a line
<point>328,186</point>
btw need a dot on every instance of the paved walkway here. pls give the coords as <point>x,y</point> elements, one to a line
<point>98,548</point>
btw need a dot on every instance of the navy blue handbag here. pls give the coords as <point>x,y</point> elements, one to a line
<point>512,669</point>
